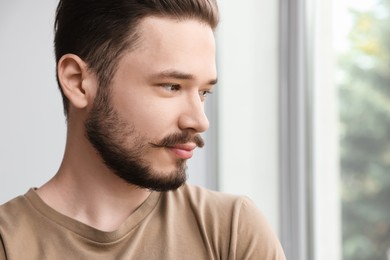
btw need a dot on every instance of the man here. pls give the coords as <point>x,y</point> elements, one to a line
<point>134,76</point>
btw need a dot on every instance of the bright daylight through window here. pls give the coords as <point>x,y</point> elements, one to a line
<point>361,71</point>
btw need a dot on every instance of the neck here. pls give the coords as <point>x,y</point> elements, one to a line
<point>86,190</point>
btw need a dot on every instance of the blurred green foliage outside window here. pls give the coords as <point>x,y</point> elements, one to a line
<point>364,112</point>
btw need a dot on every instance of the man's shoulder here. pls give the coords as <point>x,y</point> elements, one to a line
<point>198,191</point>
<point>203,197</point>
<point>232,221</point>
<point>13,210</point>
<point>12,206</point>
<point>208,204</point>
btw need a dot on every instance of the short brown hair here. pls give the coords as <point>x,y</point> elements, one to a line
<point>100,31</point>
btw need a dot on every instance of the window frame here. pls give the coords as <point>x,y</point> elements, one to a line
<point>296,133</point>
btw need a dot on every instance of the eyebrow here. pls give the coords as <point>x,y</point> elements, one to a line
<point>175,74</point>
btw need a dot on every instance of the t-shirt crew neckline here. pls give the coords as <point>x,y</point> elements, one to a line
<point>87,231</point>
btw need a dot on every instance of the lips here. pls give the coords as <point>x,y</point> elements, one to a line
<point>183,151</point>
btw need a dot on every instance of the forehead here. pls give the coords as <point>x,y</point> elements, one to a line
<point>168,44</point>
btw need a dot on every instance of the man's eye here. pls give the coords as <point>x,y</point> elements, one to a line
<point>205,93</point>
<point>171,87</point>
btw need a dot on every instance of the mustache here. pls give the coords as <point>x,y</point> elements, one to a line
<point>180,138</point>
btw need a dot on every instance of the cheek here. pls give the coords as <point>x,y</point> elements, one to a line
<point>150,113</point>
<point>153,116</point>
<point>153,123</point>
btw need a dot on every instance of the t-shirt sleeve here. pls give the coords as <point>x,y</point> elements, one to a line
<point>254,238</point>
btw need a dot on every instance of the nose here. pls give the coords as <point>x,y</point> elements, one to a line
<point>193,116</point>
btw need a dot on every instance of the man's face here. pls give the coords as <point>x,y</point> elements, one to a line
<point>146,124</point>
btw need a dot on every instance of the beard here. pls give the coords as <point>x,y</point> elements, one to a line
<point>109,133</point>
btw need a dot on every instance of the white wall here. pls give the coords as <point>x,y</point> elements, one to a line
<point>248,102</point>
<point>32,126</point>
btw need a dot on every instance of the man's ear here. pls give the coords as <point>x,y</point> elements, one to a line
<point>73,76</point>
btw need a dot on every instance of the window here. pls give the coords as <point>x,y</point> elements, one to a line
<point>363,82</point>
<point>335,129</point>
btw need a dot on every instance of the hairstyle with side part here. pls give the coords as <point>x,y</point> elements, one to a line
<point>100,31</point>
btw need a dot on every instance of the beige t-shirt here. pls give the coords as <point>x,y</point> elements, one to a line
<point>189,223</point>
